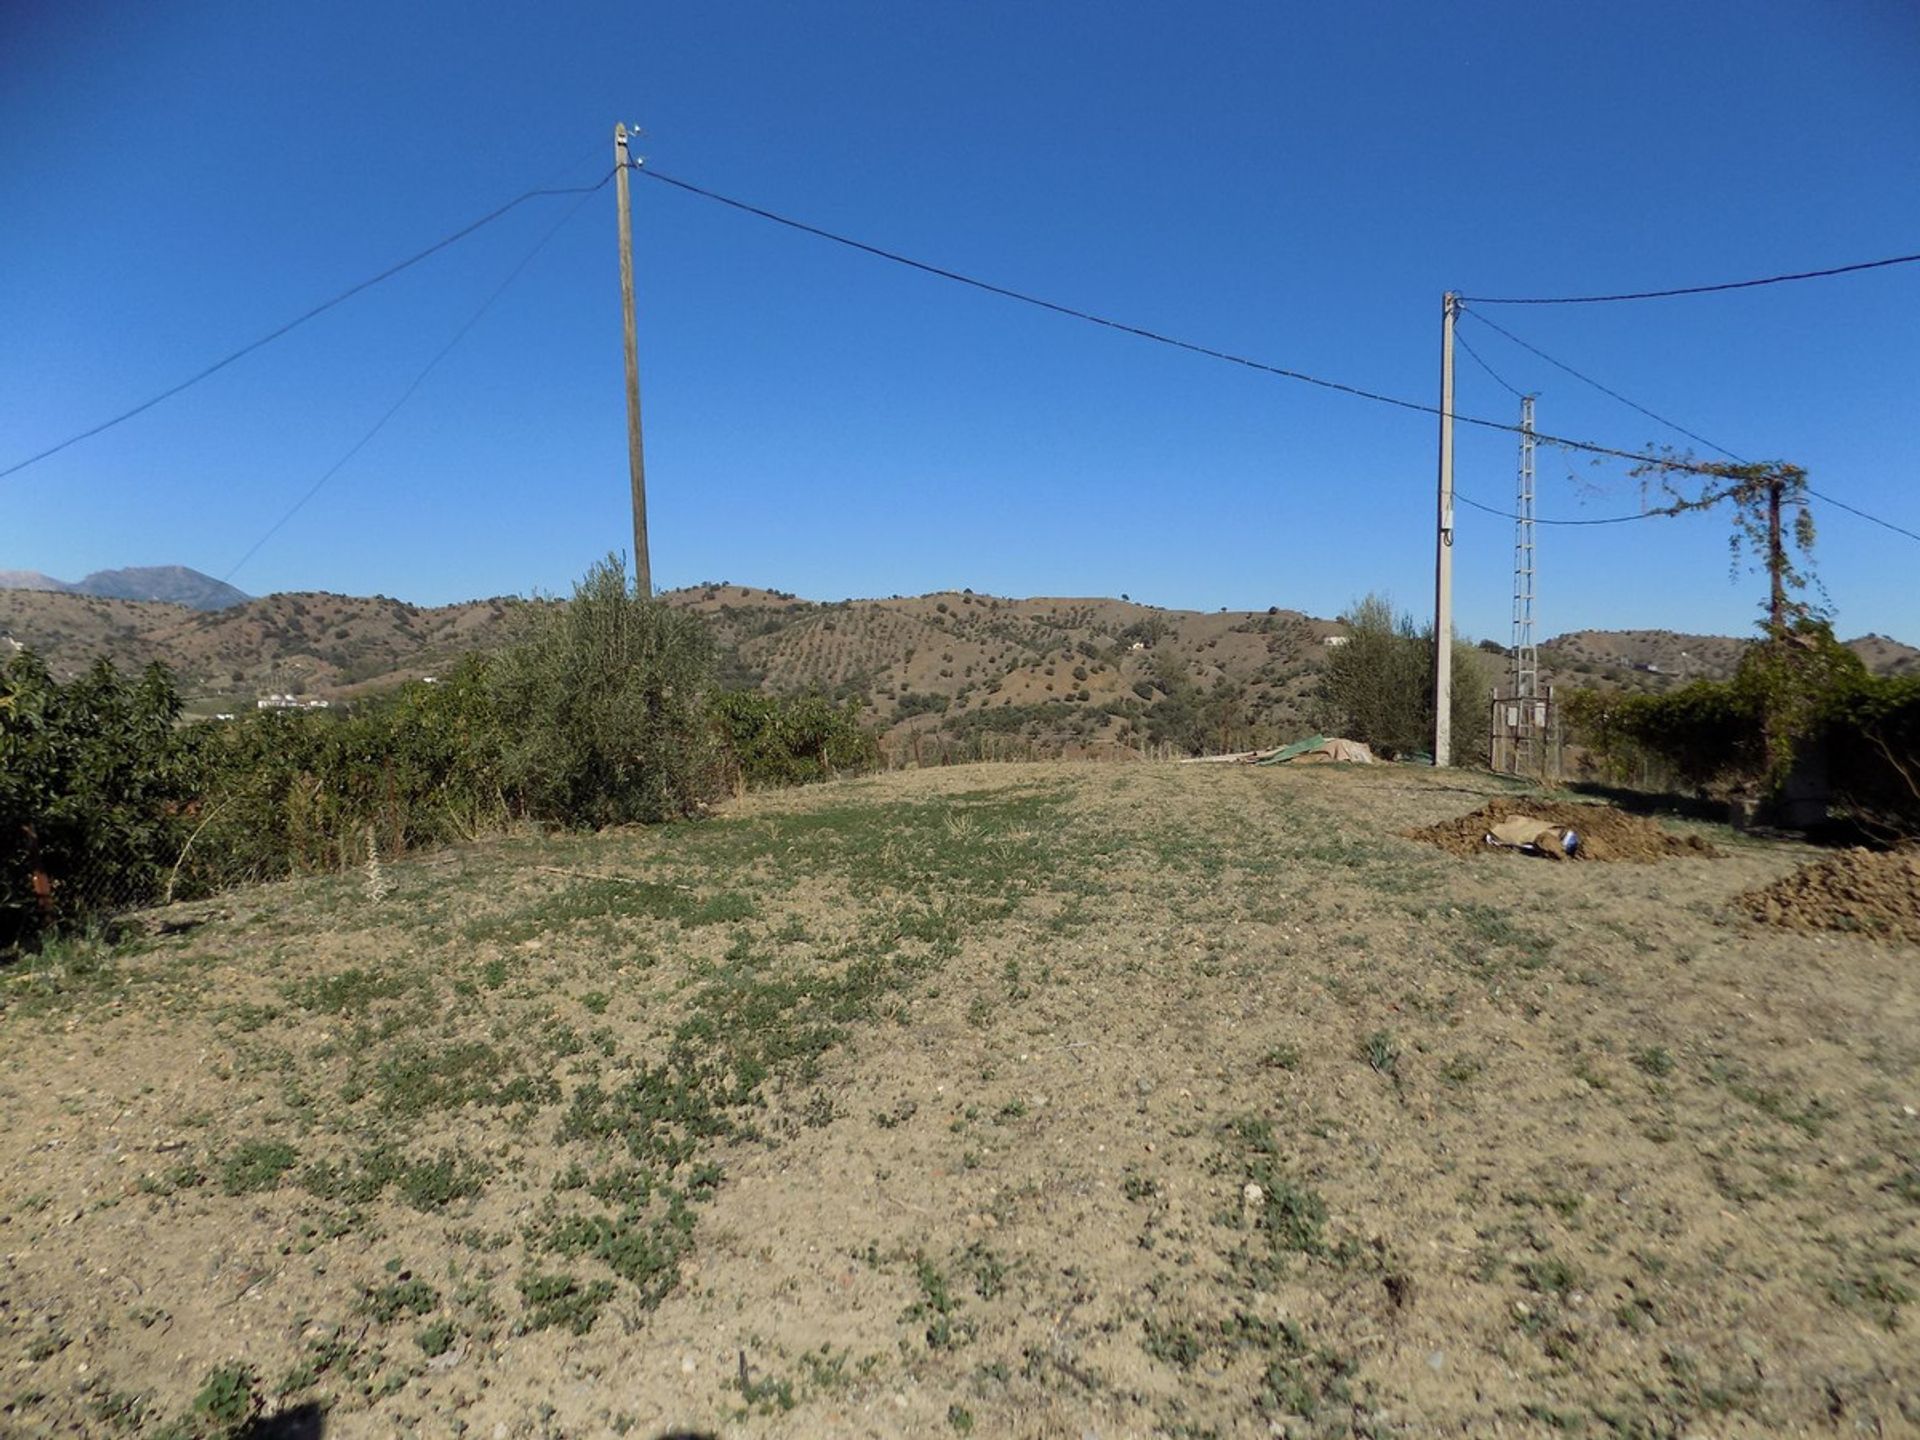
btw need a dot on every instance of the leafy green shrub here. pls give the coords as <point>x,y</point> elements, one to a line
<point>293,792</point>
<point>94,793</point>
<point>608,701</point>
<point>1378,687</point>
<point>790,740</point>
<point>917,702</point>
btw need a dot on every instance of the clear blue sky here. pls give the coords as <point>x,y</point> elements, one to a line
<point>1297,182</point>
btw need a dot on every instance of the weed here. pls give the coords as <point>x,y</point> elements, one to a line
<point>1174,1343</point>
<point>937,1306</point>
<point>256,1165</point>
<point>1461,1070</point>
<point>1380,1051</point>
<point>563,1300</point>
<point>405,1296</point>
<point>435,1339</point>
<point>229,1397</point>
<point>1549,1275</point>
<point>1654,1061</point>
<point>1873,1292</point>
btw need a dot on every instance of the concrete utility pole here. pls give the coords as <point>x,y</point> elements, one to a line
<point>1443,561</point>
<point>636,457</point>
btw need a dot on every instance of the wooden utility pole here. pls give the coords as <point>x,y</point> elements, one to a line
<point>1776,560</point>
<point>636,456</point>
<point>1443,554</point>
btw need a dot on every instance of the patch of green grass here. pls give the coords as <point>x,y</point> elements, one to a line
<point>405,1296</point>
<point>230,1396</point>
<point>563,1300</point>
<point>1382,1053</point>
<point>351,992</point>
<point>1549,1275</point>
<point>255,1165</point>
<point>1174,1342</point>
<point>938,1306</point>
<point>1461,1071</point>
<point>1654,1060</point>
<point>1870,1290</point>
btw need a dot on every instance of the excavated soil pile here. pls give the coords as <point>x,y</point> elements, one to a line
<point>1862,891</point>
<point>1605,833</point>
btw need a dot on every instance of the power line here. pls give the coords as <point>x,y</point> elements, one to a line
<point>298,321</point>
<point>1665,513</point>
<point>1675,426</point>
<point>1461,341</point>
<point>407,394</point>
<point>1140,332</point>
<point>1691,289</point>
<point>1851,510</point>
<point>1604,390</point>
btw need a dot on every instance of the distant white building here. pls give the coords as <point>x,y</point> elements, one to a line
<point>289,702</point>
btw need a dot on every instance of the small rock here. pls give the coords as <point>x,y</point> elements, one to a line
<point>1437,1361</point>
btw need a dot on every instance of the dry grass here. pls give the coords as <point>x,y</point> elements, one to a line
<point>1023,1100</point>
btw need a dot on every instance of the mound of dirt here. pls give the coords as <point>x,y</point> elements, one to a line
<point>1867,892</point>
<point>1605,833</point>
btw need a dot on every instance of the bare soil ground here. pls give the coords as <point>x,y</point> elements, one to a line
<point>1011,1100</point>
<point>1861,891</point>
<point>1606,833</point>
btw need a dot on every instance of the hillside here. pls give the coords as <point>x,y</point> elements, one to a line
<point>979,670</point>
<point>311,644</point>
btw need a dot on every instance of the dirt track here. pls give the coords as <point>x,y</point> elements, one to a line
<point>1043,1100</point>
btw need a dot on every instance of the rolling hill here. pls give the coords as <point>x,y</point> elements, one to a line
<point>1073,673</point>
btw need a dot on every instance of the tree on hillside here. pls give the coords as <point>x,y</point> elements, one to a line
<point>1378,686</point>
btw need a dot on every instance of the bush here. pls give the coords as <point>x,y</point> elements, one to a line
<point>790,740</point>
<point>1804,696</point>
<point>603,713</point>
<point>1378,687</point>
<point>93,793</point>
<point>288,792</point>
<point>608,704</point>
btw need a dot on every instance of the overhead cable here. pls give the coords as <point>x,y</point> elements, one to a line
<point>407,394</point>
<point>1498,379</point>
<point>1140,332</point>
<point>1662,513</point>
<point>1677,427</point>
<point>1689,289</point>
<point>1854,510</point>
<point>1604,390</point>
<point>299,320</point>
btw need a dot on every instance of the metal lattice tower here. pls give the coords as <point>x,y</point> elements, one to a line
<point>1526,659</point>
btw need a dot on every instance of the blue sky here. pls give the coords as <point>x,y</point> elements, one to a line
<point>1293,182</point>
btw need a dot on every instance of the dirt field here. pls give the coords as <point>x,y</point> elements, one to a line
<point>1012,1100</point>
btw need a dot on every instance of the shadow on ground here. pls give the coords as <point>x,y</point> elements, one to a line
<point>303,1422</point>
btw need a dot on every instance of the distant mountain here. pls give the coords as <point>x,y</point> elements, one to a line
<point>169,584</point>
<point>32,580</point>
